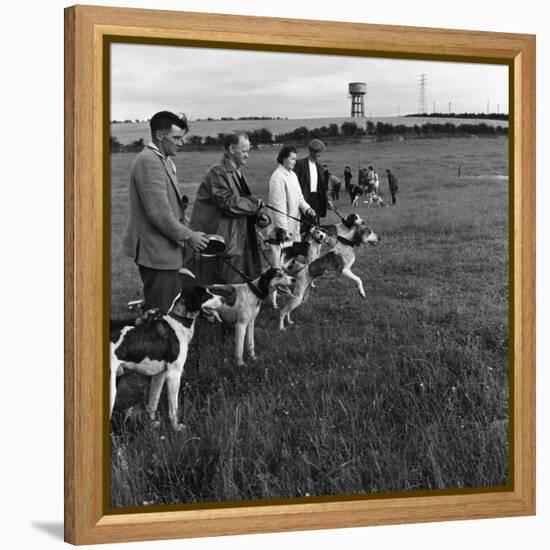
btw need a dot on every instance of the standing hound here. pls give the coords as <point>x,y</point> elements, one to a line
<point>157,346</point>
<point>248,300</point>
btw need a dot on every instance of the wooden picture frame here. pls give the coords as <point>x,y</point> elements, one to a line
<point>86,29</point>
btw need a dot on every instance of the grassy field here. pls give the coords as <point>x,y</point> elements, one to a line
<point>407,390</point>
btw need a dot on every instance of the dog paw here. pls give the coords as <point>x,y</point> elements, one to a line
<point>155,424</point>
<point>290,322</point>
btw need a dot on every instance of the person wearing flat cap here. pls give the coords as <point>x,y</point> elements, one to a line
<point>311,179</point>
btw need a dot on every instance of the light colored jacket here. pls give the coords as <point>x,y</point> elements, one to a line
<point>155,232</point>
<point>286,195</point>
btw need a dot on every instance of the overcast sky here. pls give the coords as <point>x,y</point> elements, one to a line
<point>206,82</point>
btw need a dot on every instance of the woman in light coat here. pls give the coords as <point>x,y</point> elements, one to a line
<point>286,195</point>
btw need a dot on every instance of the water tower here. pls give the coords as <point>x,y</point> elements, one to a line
<point>357,92</point>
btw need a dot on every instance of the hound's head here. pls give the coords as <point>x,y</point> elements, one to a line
<point>319,236</point>
<point>191,301</point>
<point>353,220</point>
<point>314,234</point>
<point>278,236</point>
<point>276,279</point>
<point>364,235</point>
<point>293,267</point>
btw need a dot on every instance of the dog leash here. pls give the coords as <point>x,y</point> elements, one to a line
<point>289,216</point>
<point>335,210</point>
<point>265,241</point>
<point>249,281</point>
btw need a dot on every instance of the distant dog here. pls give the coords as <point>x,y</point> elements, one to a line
<point>355,191</point>
<point>157,344</point>
<point>374,199</point>
<point>340,258</point>
<point>248,301</point>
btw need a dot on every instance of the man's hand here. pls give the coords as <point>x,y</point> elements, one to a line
<point>310,213</point>
<point>197,241</point>
<point>262,220</point>
<point>330,205</point>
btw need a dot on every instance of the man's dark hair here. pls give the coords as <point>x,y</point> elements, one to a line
<point>233,139</point>
<point>284,153</point>
<point>164,120</point>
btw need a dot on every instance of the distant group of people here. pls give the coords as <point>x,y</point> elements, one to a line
<point>161,243</point>
<point>367,184</point>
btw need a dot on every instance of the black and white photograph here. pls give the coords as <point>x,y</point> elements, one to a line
<point>309,293</point>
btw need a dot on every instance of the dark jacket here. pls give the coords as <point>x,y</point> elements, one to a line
<point>392,182</point>
<point>223,206</point>
<point>302,171</point>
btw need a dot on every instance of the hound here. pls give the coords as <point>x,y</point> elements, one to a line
<point>285,253</point>
<point>248,300</point>
<point>375,199</point>
<point>340,258</point>
<point>157,346</point>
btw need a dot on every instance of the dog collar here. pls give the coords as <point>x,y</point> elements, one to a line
<point>187,322</point>
<point>256,291</point>
<point>347,242</point>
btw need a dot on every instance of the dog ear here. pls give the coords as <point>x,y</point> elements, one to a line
<point>228,292</point>
<point>350,220</point>
<point>190,300</point>
<point>358,236</point>
<point>265,279</point>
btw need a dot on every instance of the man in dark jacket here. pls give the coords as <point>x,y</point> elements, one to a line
<point>392,183</point>
<point>312,181</point>
<point>155,233</point>
<point>225,206</point>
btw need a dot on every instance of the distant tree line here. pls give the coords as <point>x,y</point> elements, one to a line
<point>128,121</point>
<point>210,119</point>
<point>333,132</point>
<point>486,116</point>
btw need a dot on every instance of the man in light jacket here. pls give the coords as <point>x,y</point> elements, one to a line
<point>225,206</point>
<point>155,233</point>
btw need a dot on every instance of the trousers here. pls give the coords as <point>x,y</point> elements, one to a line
<point>160,286</point>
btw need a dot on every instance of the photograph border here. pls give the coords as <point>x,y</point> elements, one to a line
<point>88,33</point>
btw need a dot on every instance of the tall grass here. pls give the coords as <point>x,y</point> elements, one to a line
<point>407,390</point>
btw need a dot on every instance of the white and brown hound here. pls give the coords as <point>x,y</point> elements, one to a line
<point>157,346</point>
<point>248,300</point>
<point>339,258</point>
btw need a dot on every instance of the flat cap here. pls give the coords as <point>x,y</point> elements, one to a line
<point>316,145</point>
